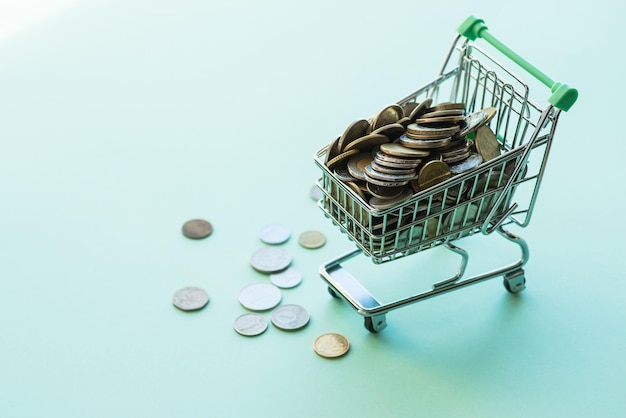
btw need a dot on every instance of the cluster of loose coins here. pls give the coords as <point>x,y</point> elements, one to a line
<point>405,149</point>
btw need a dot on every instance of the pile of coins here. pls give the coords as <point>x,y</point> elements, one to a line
<point>403,150</point>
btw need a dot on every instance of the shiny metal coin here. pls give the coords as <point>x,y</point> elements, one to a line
<point>190,298</point>
<point>389,114</point>
<point>449,106</point>
<point>331,345</point>
<point>270,259</point>
<point>389,170</point>
<point>386,183</point>
<point>341,157</point>
<point>439,120</point>
<point>286,279</point>
<point>357,164</point>
<point>377,175</point>
<point>384,192</point>
<point>473,161</point>
<point>425,144</point>
<point>392,131</point>
<point>416,131</point>
<point>378,203</point>
<point>420,109</point>
<point>355,130</point>
<point>456,158</point>
<point>431,113</point>
<point>433,172</point>
<point>312,239</point>
<point>472,122</point>
<point>290,317</point>
<point>197,229</point>
<point>260,296</point>
<point>486,143</point>
<point>274,234</point>
<point>365,143</point>
<point>396,149</point>
<point>396,162</point>
<point>250,324</point>
<point>490,112</point>
<point>342,173</point>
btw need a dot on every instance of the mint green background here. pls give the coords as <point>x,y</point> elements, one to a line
<point>120,120</point>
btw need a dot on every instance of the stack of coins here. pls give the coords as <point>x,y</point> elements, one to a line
<point>405,149</point>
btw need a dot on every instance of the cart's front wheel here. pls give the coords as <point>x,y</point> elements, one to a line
<point>375,323</point>
<point>515,282</point>
<point>332,292</point>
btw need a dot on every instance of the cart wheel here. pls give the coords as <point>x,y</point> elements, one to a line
<point>375,324</point>
<point>333,293</point>
<point>515,282</point>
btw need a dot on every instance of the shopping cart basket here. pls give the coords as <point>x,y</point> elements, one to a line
<point>497,193</point>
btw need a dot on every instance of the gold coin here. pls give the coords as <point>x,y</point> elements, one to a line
<point>431,173</point>
<point>405,121</point>
<point>425,143</point>
<point>399,150</point>
<point>490,112</point>
<point>312,239</point>
<point>341,157</point>
<point>384,192</point>
<point>331,345</point>
<point>420,109</point>
<point>370,174</point>
<point>392,170</point>
<point>426,132</point>
<point>408,107</point>
<point>430,113</point>
<point>392,131</point>
<point>366,142</point>
<point>357,164</point>
<point>486,143</point>
<point>355,130</point>
<point>332,150</point>
<point>448,106</point>
<point>387,115</point>
<point>439,120</point>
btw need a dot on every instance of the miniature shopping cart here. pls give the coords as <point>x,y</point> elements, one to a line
<point>497,193</point>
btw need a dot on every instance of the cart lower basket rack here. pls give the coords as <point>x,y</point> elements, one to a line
<point>497,192</point>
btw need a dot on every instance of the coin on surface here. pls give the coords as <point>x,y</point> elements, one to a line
<point>270,259</point>
<point>431,173</point>
<point>312,239</point>
<point>260,296</point>
<point>190,298</point>
<point>197,229</point>
<point>486,143</point>
<point>389,114</point>
<point>250,324</point>
<point>355,130</point>
<point>331,345</point>
<point>290,317</point>
<point>274,234</point>
<point>286,279</point>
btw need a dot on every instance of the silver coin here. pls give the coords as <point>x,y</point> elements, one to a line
<point>250,324</point>
<point>274,234</point>
<point>190,298</point>
<point>290,317</point>
<point>287,278</point>
<point>270,259</point>
<point>260,296</point>
<point>316,193</point>
<point>377,175</point>
<point>473,161</point>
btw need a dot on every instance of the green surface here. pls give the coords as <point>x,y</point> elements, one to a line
<point>121,120</point>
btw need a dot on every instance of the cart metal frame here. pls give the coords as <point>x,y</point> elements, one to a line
<point>498,193</point>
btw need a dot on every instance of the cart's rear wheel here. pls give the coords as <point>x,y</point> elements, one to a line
<point>332,292</point>
<point>515,282</point>
<point>375,323</point>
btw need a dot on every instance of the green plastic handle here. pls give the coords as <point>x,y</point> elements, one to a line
<point>563,97</point>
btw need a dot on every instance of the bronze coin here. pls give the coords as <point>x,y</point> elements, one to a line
<point>365,143</point>
<point>398,150</point>
<point>341,157</point>
<point>357,164</point>
<point>420,109</point>
<point>384,192</point>
<point>197,229</point>
<point>433,172</point>
<point>387,115</point>
<point>486,143</point>
<point>392,131</point>
<point>355,130</point>
<point>448,106</point>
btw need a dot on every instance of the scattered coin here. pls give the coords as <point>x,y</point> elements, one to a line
<point>312,239</point>
<point>270,259</point>
<point>190,298</point>
<point>286,279</point>
<point>331,345</point>
<point>260,296</point>
<point>197,229</point>
<point>290,317</point>
<point>274,234</point>
<point>250,324</point>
